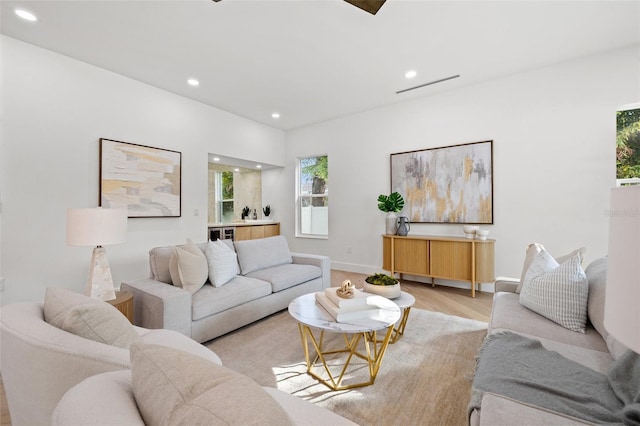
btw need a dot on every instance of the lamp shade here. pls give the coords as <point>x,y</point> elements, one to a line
<point>96,226</point>
<point>622,300</point>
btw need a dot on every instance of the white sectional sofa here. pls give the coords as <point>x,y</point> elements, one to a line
<point>270,277</point>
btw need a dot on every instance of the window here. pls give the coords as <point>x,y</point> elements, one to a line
<point>312,213</point>
<point>224,184</point>
<point>628,145</point>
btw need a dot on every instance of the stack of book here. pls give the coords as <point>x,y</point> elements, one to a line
<point>342,310</point>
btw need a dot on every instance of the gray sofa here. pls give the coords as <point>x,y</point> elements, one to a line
<point>595,349</point>
<point>270,278</point>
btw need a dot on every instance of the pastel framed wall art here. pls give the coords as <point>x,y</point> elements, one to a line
<point>144,180</point>
<point>452,184</point>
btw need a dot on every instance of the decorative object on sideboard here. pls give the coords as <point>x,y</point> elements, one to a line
<point>465,170</point>
<point>621,314</point>
<point>470,231</point>
<point>266,210</point>
<point>382,285</point>
<point>245,212</point>
<point>482,234</point>
<point>403,226</point>
<point>391,204</point>
<point>143,180</point>
<point>97,227</point>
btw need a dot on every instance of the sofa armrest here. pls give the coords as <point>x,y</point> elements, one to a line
<point>322,262</point>
<point>506,284</point>
<point>160,305</point>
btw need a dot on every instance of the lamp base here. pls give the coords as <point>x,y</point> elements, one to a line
<point>100,284</point>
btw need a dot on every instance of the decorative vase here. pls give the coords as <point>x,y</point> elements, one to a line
<point>391,223</point>
<point>388,291</point>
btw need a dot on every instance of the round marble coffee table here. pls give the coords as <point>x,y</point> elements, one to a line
<point>311,315</point>
<point>405,301</point>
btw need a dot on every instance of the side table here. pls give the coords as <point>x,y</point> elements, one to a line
<point>124,303</point>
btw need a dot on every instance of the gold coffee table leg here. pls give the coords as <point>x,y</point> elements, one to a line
<point>399,331</point>
<point>375,350</point>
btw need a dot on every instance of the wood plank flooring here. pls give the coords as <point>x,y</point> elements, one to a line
<point>452,301</point>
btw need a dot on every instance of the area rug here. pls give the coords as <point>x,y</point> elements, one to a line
<point>425,377</point>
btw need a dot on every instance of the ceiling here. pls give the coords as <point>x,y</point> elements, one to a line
<point>314,60</point>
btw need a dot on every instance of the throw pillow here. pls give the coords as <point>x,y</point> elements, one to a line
<point>89,318</point>
<point>535,248</point>
<point>222,261</point>
<point>188,267</point>
<point>172,387</point>
<point>557,292</point>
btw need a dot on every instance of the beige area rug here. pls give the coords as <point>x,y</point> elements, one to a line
<point>425,377</point>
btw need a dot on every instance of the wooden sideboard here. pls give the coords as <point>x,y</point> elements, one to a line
<point>452,258</point>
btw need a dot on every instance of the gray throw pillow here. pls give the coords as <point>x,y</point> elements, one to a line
<point>533,249</point>
<point>172,387</point>
<point>89,318</point>
<point>557,292</point>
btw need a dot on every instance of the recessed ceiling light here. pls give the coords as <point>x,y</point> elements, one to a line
<point>26,15</point>
<point>193,82</point>
<point>275,115</point>
<point>410,74</point>
<point>258,166</point>
<point>216,159</point>
<point>236,169</point>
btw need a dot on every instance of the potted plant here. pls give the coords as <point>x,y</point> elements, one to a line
<point>383,285</point>
<point>391,204</point>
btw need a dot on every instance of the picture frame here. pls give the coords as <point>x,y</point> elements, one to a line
<point>144,180</point>
<point>451,184</point>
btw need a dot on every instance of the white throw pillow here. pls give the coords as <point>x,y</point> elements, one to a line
<point>172,387</point>
<point>557,292</point>
<point>89,318</point>
<point>188,267</point>
<point>223,263</point>
<point>535,248</point>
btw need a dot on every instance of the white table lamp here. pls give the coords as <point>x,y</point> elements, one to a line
<point>97,227</point>
<point>622,300</point>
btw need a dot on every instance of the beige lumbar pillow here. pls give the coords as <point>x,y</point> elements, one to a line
<point>188,267</point>
<point>172,387</point>
<point>89,318</point>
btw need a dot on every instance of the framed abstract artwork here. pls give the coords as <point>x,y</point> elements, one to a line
<point>145,181</point>
<point>452,184</point>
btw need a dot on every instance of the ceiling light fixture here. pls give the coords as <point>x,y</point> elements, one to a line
<point>428,84</point>
<point>411,74</point>
<point>26,15</point>
<point>236,169</point>
<point>258,166</point>
<point>275,115</point>
<point>216,159</point>
<point>193,82</point>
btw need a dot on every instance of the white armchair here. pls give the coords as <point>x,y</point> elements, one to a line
<point>41,362</point>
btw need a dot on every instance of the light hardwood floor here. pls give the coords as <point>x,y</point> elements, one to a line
<point>452,301</point>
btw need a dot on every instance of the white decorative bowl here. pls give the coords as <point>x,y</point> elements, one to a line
<point>482,234</point>
<point>388,291</point>
<point>470,230</point>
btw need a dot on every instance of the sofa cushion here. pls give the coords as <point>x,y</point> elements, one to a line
<point>222,262</point>
<point>262,253</point>
<point>557,292</point>
<point>159,262</point>
<point>210,300</point>
<point>188,267</point>
<point>89,318</point>
<point>176,388</point>
<point>508,314</point>
<point>533,250</point>
<point>285,276</point>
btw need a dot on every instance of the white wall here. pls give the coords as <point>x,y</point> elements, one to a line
<point>554,160</point>
<point>54,110</point>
